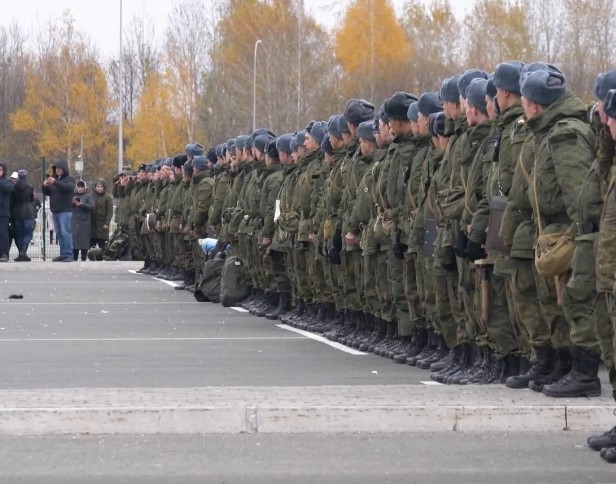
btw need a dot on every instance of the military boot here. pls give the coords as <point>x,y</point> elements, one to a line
<point>457,353</point>
<point>192,281</point>
<point>282,308</point>
<point>511,368</point>
<point>271,303</point>
<point>540,368</point>
<point>365,330</point>
<point>144,270</point>
<point>389,334</point>
<point>182,287</point>
<point>431,345</point>
<point>155,268</point>
<point>603,441</point>
<point>295,315</point>
<point>351,324</point>
<point>377,335</point>
<point>462,377</point>
<point>562,366</point>
<point>404,350</point>
<point>467,357</point>
<point>258,301</point>
<point>176,275</point>
<point>320,320</point>
<point>164,272</point>
<point>332,319</point>
<point>249,299</point>
<point>439,353</point>
<point>420,340</point>
<point>582,380</point>
<point>609,455</point>
<point>309,316</point>
<point>478,368</point>
<point>365,339</point>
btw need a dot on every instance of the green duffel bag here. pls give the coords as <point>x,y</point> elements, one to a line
<point>234,285</point>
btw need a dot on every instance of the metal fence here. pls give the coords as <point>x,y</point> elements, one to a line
<point>44,246</point>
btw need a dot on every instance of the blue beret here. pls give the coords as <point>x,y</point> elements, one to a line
<point>610,103</point>
<point>467,78</point>
<point>476,94</point>
<point>333,127</point>
<point>283,143</point>
<point>605,82</point>
<point>366,131</point>
<point>200,163</point>
<point>507,76</point>
<point>429,103</point>
<point>449,90</point>
<point>357,111</point>
<point>413,112</point>
<point>544,87</point>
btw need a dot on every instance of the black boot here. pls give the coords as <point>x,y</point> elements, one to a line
<point>176,275</point>
<point>389,335</point>
<point>433,358</point>
<point>479,367</point>
<point>462,377</point>
<point>541,368</point>
<point>609,455</point>
<point>293,306</point>
<point>144,270</point>
<point>332,319</point>
<point>378,335</point>
<point>465,361</point>
<point>432,341</point>
<point>582,380</point>
<point>182,286</point>
<point>282,308</point>
<point>602,441</point>
<point>299,313</point>
<point>154,268</point>
<point>456,358</point>
<point>562,366</point>
<point>192,281</point>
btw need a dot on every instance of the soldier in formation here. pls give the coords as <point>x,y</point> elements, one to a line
<point>469,231</point>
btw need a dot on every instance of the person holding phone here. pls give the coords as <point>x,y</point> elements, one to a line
<point>81,222</point>
<point>60,187</point>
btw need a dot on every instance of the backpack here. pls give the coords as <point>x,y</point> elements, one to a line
<point>117,245</point>
<point>208,289</point>
<point>233,286</point>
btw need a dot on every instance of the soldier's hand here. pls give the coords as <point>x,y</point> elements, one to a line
<point>159,225</point>
<point>265,242</point>
<point>312,238</point>
<point>105,227</point>
<point>351,238</point>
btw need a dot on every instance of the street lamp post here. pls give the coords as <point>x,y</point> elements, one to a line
<point>254,88</point>
<point>121,94</point>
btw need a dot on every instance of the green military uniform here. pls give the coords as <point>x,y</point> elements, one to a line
<point>174,222</point>
<point>202,188</point>
<point>252,223</point>
<point>222,180</point>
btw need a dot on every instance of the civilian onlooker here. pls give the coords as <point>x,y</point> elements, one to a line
<point>6,187</point>
<point>60,187</point>
<point>23,214</point>
<point>81,223</point>
<point>101,215</point>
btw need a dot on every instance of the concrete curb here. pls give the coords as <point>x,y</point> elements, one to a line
<point>290,410</point>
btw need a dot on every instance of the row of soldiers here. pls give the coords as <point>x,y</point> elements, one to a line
<point>412,230</point>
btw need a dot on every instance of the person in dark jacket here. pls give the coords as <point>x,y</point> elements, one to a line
<point>101,215</point>
<point>22,214</point>
<point>6,187</point>
<point>60,188</point>
<point>81,222</point>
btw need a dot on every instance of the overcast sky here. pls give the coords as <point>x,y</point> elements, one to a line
<point>100,18</point>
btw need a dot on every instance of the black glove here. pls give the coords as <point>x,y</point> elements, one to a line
<point>337,240</point>
<point>399,250</point>
<point>334,257</point>
<point>301,246</point>
<point>461,242</point>
<point>474,251</point>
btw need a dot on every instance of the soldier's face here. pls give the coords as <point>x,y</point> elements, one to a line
<point>295,156</point>
<point>285,158</point>
<point>384,131</point>
<point>415,128</point>
<point>311,144</point>
<point>329,159</point>
<point>366,147</point>
<point>490,107</point>
<point>531,110</point>
<point>611,123</point>
<point>443,142</point>
<point>601,111</point>
<point>301,151</point>
<point>424,124</point>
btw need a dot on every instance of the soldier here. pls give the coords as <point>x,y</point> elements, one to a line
<point>174,219</point>
<point>606,256</point>
<point>423,236</point>
<point>356,112</point>
<point>187,223</point>
<point>236,181</point>
<point>388,184</point>
<point>564,146</point>
<point>137,190</point>
<point>414,270</point>
<point>202,188</point>
<point>280,249</point>
<point>361,233</point>
<point>221,186</point>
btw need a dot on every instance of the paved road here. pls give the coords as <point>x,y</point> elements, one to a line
<point>301,459</point>
<point>97,327</point>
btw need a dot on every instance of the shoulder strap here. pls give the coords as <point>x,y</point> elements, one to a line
<point>539,223</point>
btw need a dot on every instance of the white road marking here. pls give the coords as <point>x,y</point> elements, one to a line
<point>239,310</point>
<point>169,283</point>
<point>430,383</point>
<point>315,337</point>
<point>247,338</point>
<point>23,302</point>
<point>133,272</point>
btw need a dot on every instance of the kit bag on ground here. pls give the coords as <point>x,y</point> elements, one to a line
<point>117,245</point>
<point>234,286</point>
<point>209,288</point>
